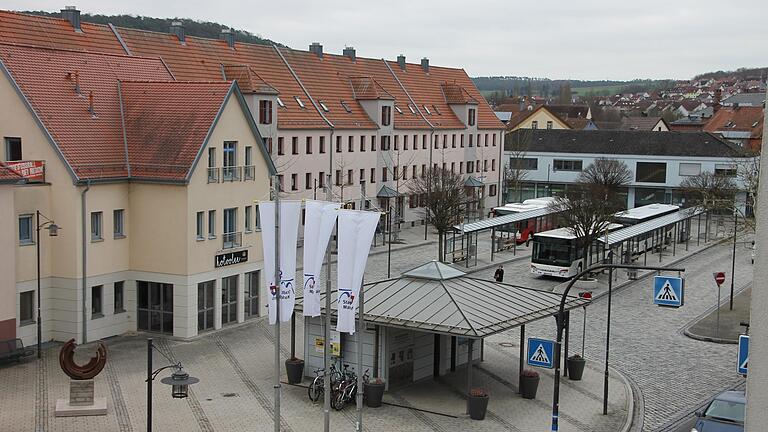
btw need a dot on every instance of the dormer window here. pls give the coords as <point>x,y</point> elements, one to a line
<point>427,110</point>
<point>280,103</point>
<point>413,110</point>
<point>345,106</point>
<point>437,110</point>
<point>397,108</point>
<point>323,106</point>
<point>298,101</point>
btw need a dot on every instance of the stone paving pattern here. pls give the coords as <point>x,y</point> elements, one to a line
<point>672,371</point>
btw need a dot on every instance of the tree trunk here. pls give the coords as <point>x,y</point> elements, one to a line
<point>440,254</point>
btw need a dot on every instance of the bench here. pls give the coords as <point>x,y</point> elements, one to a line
<point>459,255</point>
<point>13,349</point>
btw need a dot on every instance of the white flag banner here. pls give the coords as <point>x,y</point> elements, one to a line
<point>319,219</point>
<point>290,212</point>
<point>356,230</point>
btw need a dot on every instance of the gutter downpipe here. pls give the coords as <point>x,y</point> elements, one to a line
<point>84,227</point>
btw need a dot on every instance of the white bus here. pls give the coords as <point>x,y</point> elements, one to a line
<point>558,252</point>
<point>638,215</point>
<point>527,205</point>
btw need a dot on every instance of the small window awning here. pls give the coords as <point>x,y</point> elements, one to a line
<point>437,298</point>
<point>387,192</point>
<point>473,182</point>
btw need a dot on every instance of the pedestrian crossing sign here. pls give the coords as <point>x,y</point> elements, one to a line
<point>541,353</point>
<point>668,291</point>
<point>743,362</point>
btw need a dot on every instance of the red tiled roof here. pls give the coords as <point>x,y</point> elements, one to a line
<point>426,92</point>
<point>18,28</point>
<point>92,143</point>
<point>248,80</point>
<point>742,119</point>
<point>166,124</point>
<point>456,94</point>
<point>366,88</point>
<point>328,82</point>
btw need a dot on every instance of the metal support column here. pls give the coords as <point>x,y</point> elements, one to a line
<point>522,359</point>
<point>567,338</point>
<point>607,342</point>
<point>278,287</point>
<point>469,370</point>
<point>327,326</point>
<point>493,242</point>
<point>360,334</point>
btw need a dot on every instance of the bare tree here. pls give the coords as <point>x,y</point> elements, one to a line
<point>444,194</point>
<point>748,174</point>
<point>589,206</point>
<point>516,143</point>
<point>709,191</point>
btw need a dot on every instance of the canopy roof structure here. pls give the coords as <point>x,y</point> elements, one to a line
<point>498,221</point>
<point>387,192</point>
<point>438,298</point>
<point>624,234</point>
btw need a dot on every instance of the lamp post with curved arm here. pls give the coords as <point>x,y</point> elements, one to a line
<point>179,380</point>
<point>53,231</point>
<point>560,319</point>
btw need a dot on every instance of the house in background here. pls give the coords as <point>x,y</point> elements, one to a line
<point>742,125</point>
<point>537,118</point>
<point>657,124</point>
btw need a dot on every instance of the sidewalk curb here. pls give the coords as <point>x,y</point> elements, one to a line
<point>708,338</point>
<point>633,400</point>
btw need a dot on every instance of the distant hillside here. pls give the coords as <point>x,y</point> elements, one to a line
<point>519,86</point>
<point>204,29</point>
<point>741,73</point>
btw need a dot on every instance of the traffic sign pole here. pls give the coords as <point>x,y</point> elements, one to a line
<point>719,279</point>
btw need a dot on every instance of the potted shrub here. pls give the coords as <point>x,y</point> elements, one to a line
<point>478,403</point>
<point>529,383</point>
<point>374,392</point>
<point>575,367</point>
<point>294,367</point>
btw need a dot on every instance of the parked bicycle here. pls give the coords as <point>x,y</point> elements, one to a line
<point>316,388</point>
<point>347,389</point>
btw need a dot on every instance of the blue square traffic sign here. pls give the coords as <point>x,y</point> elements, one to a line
<point>743,362</point>
<point>668,291</point>
<point>541,353</point>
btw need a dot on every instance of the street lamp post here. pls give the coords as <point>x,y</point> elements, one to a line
<point>733,256</point>
<point>560,319</point>
<point>179,380</point>
<point>53,231</point>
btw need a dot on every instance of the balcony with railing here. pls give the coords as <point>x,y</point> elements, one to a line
<point>231,173</point>
<point>213,175</point>
<point>232,240</point>
<point>249,172</point>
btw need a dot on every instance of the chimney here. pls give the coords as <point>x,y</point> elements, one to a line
<point>350,52</point>
<point>401,61</point>
<point>316,48</point>
<point>425,64</point>
<point>71,14</point>
<point>177,28</point>
<point>716,105</point>
<point>228,35</point>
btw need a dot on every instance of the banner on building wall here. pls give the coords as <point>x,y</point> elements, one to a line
<point>356,230</point>
<point>319,220</point>
<point>290,212</point>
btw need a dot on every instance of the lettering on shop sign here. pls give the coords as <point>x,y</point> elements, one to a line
<point>231,258</point>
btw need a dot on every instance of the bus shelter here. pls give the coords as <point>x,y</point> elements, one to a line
<point>507,232</point>
<point>655,235</point>
<point>426,322</point>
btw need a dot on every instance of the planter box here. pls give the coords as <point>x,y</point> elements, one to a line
<point>575,368</point>
<point>528,387</point>
<point>586,284</point>
<point>295,370</point>
<point>478,405</point>
<point>374,392</point>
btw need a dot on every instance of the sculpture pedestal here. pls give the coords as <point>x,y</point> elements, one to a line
<point>81,401</point>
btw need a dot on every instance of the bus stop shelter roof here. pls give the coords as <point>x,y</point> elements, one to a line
<point>624,234</point>
<point>438,298</point>
<point>498,221</point>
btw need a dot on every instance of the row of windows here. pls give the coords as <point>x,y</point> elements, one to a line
<point>535,124</point>
<point>385,173</point>
<point>408,142</point>
<point>27,302</point>
<point>229,304</point>
<point>27,226</point>
<point>645,172</point>
<point>229,222</point>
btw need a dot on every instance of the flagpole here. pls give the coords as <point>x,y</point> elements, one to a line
<point>278,287</point>
<point>360,332</point>
<point>327,348</point>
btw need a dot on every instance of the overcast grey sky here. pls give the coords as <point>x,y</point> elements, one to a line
<point>576,39</point>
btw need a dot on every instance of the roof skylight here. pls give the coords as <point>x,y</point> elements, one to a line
<point>427,110</point>
<point>437,110</point>
<point>280,102</point>
<point>346,107</point>
<point>298,101</point>
<point>413,110</point>
<point>323,106</point>
<point>397,108</point>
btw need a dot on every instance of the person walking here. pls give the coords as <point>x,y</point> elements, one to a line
<point>499,275</point>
